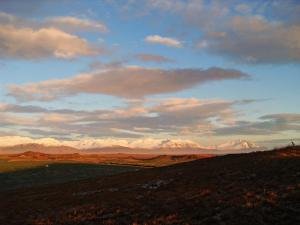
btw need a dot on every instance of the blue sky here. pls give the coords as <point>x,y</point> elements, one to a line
<point>177,69</point>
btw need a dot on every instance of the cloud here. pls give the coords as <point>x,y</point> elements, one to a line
<point>256,40</point>
<point>153,58</point>
<point>74,24</point>
<point>188,114</point>
<point>248,32</point>
<point>46,132</point>
<point>33,109</point>
<point>199,13</point>
<point>21,109</point>
<point>126,82</point>
<point>66,23</point>
<point>23,38</point>
<point>175,116</point>
<point>98,65</point>
<point>53,118</point>
<point>26,43</point>
<point>283,117</point>
<point>7,119</point>
<point>267,125</point>
<point>171,116</point>
<point>167,41</point>
<point>192,108</point>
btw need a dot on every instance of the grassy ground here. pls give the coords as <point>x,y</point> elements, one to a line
<point>31,169</point>
<point>8,166</point>
<point>19,174</point>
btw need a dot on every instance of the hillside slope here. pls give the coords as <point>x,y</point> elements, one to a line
<point>246,189</point>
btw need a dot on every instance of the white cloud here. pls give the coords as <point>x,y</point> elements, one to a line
<point>167,41</point>
<point>74,24</point>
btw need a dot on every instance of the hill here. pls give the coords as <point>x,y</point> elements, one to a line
<point>33,147</point>
<point>242,189</point>
<point>143,160</point>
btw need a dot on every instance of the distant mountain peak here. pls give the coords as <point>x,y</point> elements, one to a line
<point>178,144</point>
<point>237,145</point>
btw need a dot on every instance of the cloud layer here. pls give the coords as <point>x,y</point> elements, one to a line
<point>176,116</point>
<point>172,117</point>
<point>127,82</point>
<point>266,125</point>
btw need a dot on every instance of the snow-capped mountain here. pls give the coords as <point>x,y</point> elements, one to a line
<point>96,143</point>
<point>8,141</point>
<point>237,145</point>
<point>178,144</point>
<point>147,143</point>
<point>90,143</point>
<point>144,143</point>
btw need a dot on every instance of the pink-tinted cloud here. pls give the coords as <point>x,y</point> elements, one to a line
<point>153,58</point>
<point>22,38</point>
<point>126,82</point>
<point>26,43</point>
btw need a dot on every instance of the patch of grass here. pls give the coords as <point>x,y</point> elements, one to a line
<point>11,166</point>
<point>19,174</point>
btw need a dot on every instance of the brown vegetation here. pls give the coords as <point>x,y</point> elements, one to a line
<point>144,160</point>
<point>243,189</point>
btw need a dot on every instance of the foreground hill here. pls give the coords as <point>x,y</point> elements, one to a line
<point>243,189</point>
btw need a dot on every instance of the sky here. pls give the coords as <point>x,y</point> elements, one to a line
<point>205,71</point>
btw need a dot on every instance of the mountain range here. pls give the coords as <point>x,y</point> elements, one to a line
<point>21,144</point>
